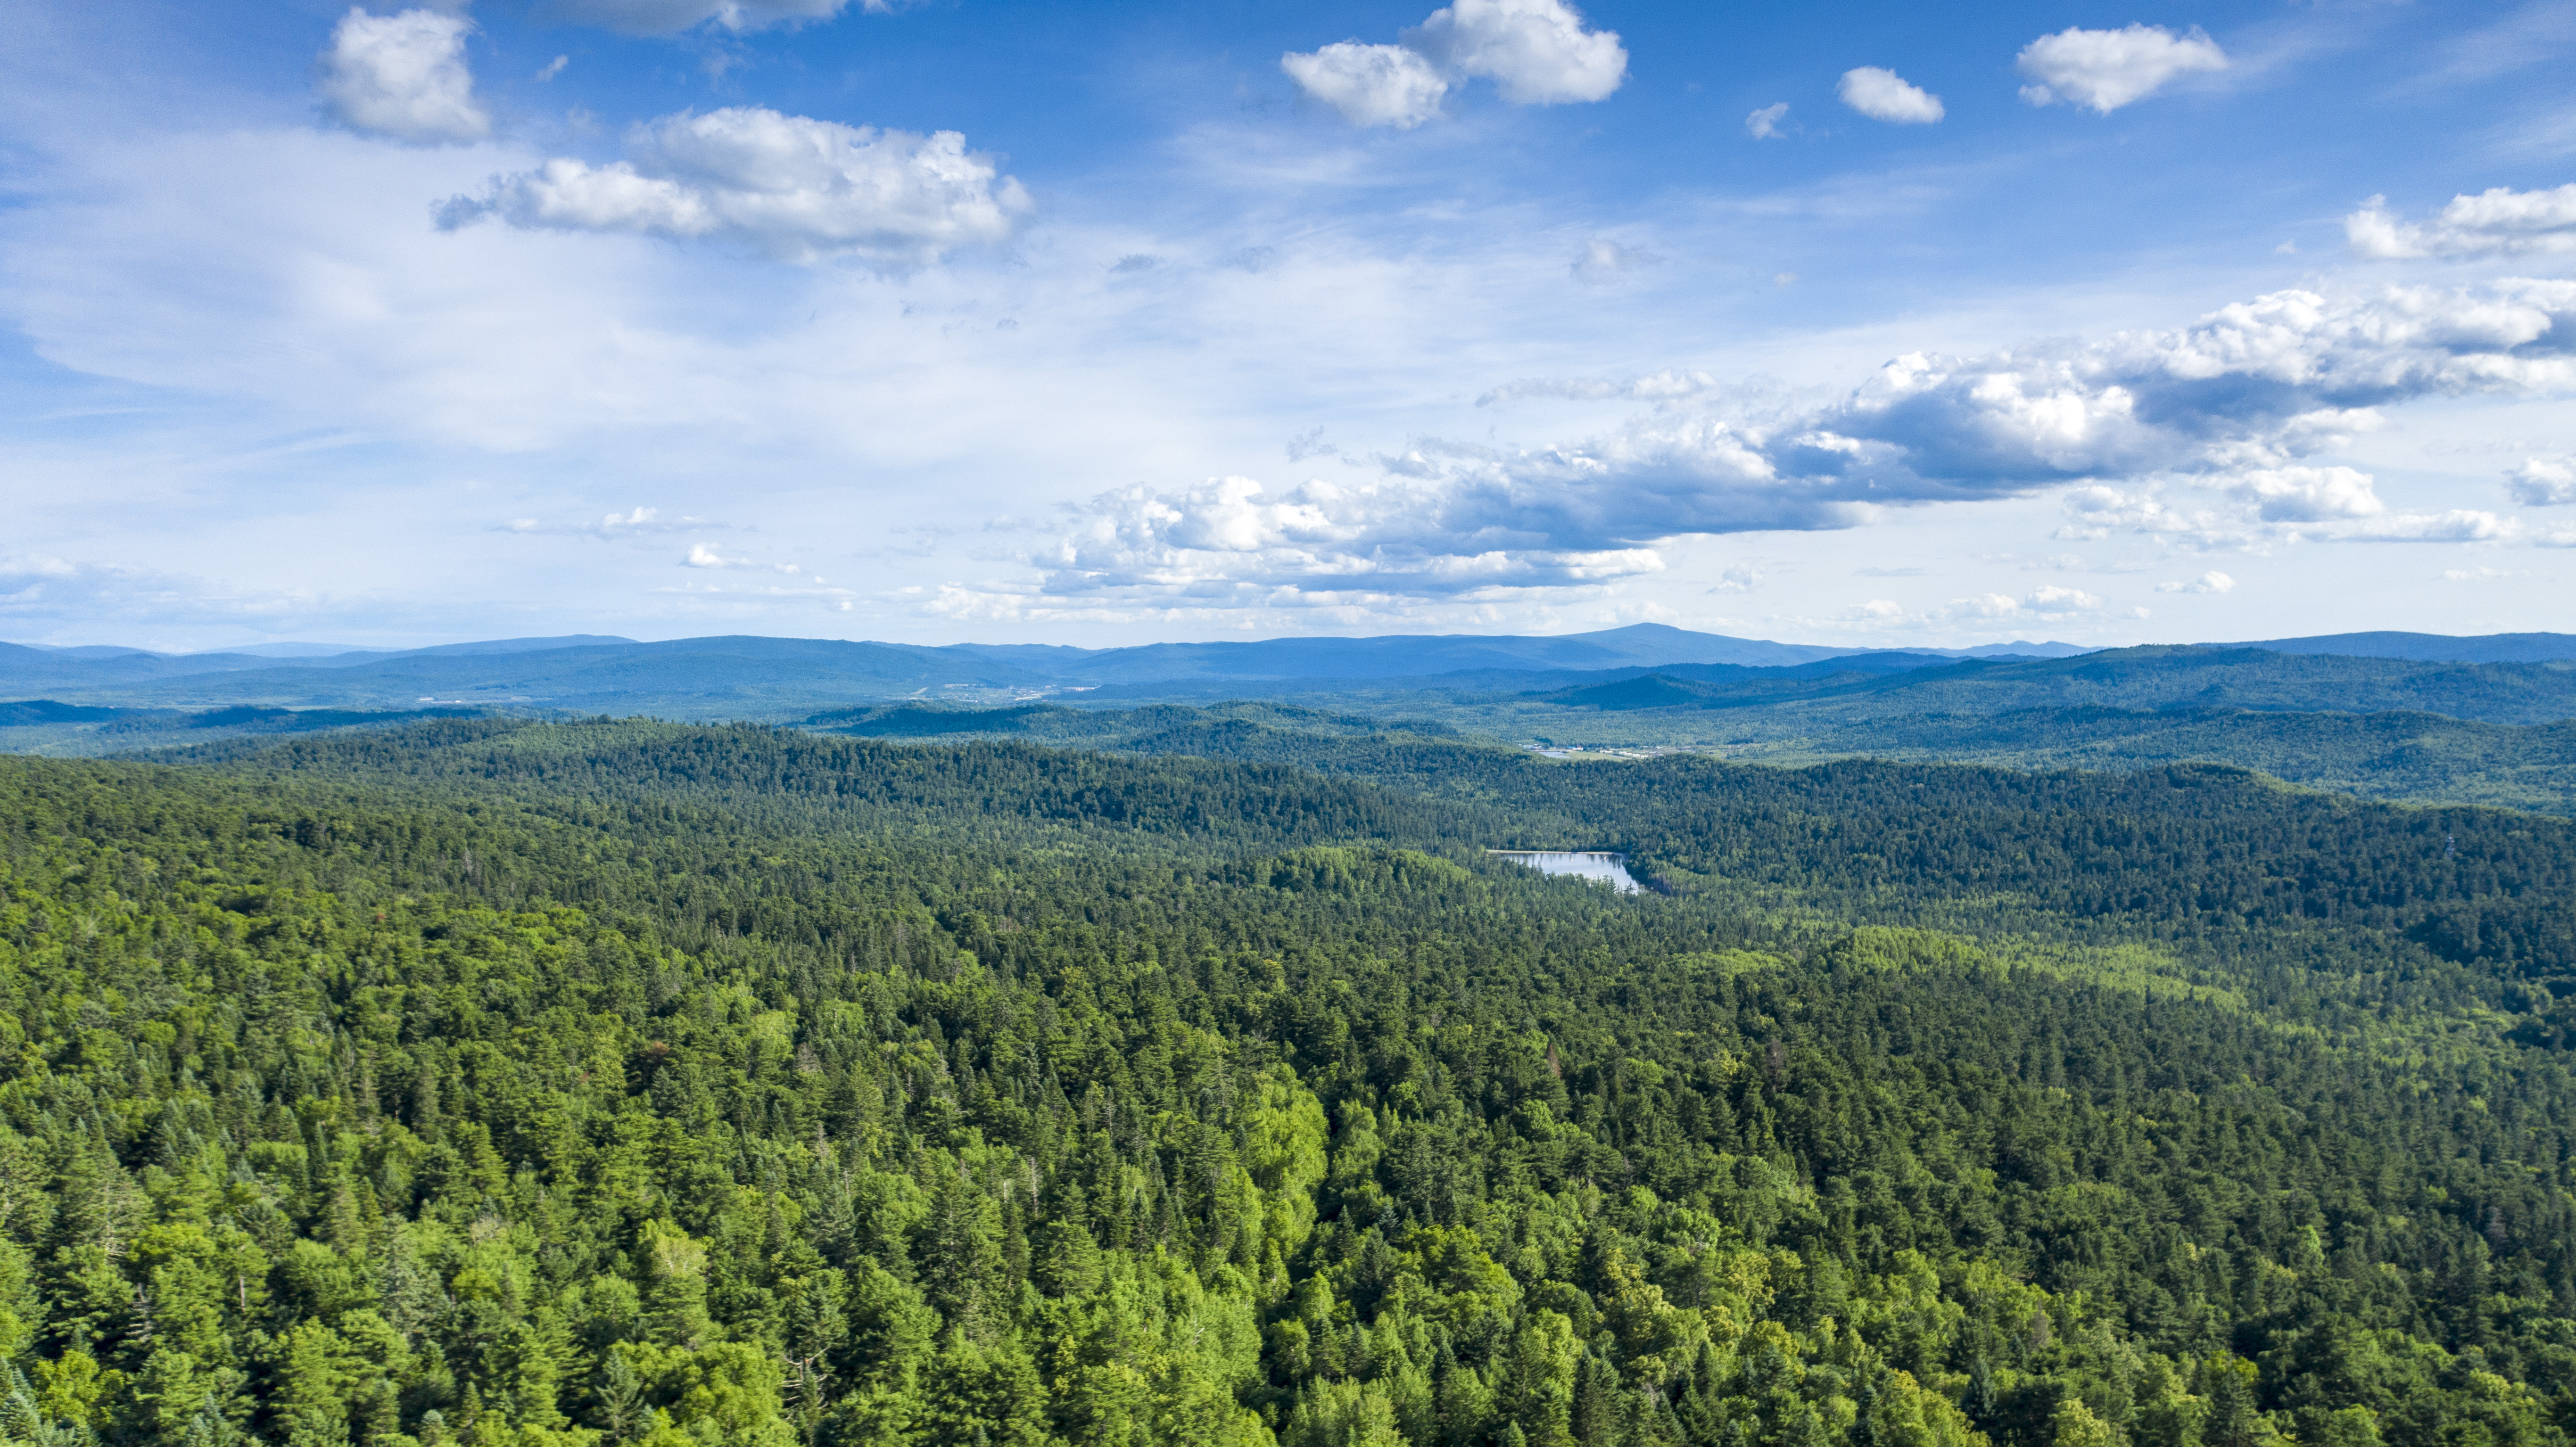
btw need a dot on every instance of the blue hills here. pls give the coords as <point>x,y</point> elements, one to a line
<point>779,678</point>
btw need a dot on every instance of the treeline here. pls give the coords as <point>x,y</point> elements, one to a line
<point>622,1083</point>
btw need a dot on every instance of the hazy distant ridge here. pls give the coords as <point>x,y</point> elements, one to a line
<point>744,676</point>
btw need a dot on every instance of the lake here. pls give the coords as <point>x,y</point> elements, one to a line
<point>1609,869</point>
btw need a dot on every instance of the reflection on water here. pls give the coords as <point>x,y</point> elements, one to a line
<point>1610,869</point>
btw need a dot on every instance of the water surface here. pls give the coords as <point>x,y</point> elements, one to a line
<point>1610,869</point>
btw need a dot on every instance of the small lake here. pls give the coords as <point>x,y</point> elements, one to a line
<point>1609,869</point>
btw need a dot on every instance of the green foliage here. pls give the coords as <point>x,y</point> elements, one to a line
<point>608,1084</point>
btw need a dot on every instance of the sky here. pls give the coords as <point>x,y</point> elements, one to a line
<point>1860,324</point>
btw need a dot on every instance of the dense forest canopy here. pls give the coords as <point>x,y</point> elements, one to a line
<point>486,1082</point>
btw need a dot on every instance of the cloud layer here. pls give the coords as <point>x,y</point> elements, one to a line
<point>791,187</point>
<point>2199,436</point>
<point>1536,52</point>
<point>2104,70</point>
<point>1883,95</point>
<point>2499,222</point>
<point>402,76</point>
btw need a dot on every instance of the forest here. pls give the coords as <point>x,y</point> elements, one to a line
<point>603,1082</point>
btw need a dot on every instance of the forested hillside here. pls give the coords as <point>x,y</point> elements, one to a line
<point>2128,678</point>
<point>483,1082</point>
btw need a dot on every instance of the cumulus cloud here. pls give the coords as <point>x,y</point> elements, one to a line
<point>1536,52</point>
<point>403,76</point>
<point>2107,69</point>
<point>1764,124</point>
<point>1231,542</point>
<point>2209,582</point>
<point>2308,494</point>
<point>1371,85</point>
<point>791,187</point>
<point>2048,602</point>
<point>2497,222</point>
<point>1738,578</point>
<point>2203,436</point>
<point>1883,95</point>
<point>2543,482</point>
<point>667,17</point>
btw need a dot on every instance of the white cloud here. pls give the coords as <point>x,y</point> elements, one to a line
<point>2040,605</point>
<point>666,17</point>
<point>2097,511</point>
<point>1738,578</point>
<point>1665,386</point>
<point>2543,482</point>
<point>794,188</point>
<point>2282,506</point>
<point>2058,602</point>
<point>1764,124</point>
<point>2308,494</point>
<point>640,522</point>
<point>702,556</point>
<point>1883,95</point>
<point>2229,408</point>
<point>402,76</point>
<point>2497,222</point>
<point>1230,542</point>
<point>1537,52</point>
<point>2107,69</point>
<point>553,68</point>
<point>1603,260</point>
<point>2209,582</point>
<point>37,590</point>
<point>2458,525</point>
<point>2555,538</point>
<point>1371,85</point>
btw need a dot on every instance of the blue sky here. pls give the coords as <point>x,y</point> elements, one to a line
<point>1101,324</point>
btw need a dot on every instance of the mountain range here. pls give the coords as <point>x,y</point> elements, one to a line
<point>754,677</point>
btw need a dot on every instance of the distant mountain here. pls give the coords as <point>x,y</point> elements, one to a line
<point>738,677</point>
<point>2013,650</point>
<point>777,678</point>
<point>532,645</point>
<point>1404,655</point>
<point>2429,647</point>
<point>768,677</point>
<point>2151,679</point>
<point>298,650</point>
<point>89,650</point>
